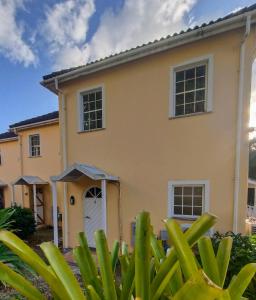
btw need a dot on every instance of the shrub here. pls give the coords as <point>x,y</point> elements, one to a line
<point>146,273</point>
<point>243,252</point>
<point>23,222</point>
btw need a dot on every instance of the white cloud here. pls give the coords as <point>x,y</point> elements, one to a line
<point>12,44</point>
<point>137,22</point>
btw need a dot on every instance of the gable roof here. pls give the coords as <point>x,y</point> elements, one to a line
<point>53,116</point>
<point>8,136</point>
<point>231,21</point>
<point>28,180</point>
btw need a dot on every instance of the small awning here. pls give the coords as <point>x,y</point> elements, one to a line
<point>2,184</point>
<point>76,171</point>
<point>29,180</point>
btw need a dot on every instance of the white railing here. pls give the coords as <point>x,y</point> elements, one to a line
<point>251,211</point>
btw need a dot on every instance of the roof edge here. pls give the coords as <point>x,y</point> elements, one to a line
<point>152,48</point>
<point>36,124</point>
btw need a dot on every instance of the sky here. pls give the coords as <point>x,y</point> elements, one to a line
<point>41,36</point>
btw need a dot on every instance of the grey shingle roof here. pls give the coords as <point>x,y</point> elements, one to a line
<point>229,16</point>
<point>48,117</point>
<point>7,135</point>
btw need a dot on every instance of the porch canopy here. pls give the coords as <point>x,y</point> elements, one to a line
<point>30,181</point>
<point>2,184</point>
<point>73,174</point>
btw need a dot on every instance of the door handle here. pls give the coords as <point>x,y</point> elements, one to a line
<point>87,217</point>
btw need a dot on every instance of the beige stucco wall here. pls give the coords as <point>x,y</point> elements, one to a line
<point>45,166</point>
<point>146,149</point>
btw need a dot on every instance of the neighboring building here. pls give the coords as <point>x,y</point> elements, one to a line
<point>29,155</point>
<point>169,121</point>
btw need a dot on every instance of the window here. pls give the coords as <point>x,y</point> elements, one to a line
<point>192,88</point>
<point>34,144</point>
<point>94,192</point>
<point>92,110</point>
<point>188,200</point>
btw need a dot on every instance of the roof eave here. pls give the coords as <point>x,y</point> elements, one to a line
<point>153,48</point>
<point>9,140</point>
<point>36,124</point>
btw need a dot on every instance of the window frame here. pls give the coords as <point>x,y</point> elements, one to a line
<point>206,197</point>
<point>30,145</point>
<point>80,94</point>
<point>209,61</point>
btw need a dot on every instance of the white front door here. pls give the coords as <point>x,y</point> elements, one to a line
<point>92,214</point>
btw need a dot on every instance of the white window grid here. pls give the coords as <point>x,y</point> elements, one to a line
<point>34,145</point>
<point>193,197</point>
<point>198,101</point>
<point>92,110</point>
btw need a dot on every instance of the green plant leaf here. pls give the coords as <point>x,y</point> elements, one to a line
<point>105,265</point>
<point>19,283</point>
<point>142,256</point>
<point>208,259</point>
<point>128,280</point>
<point>114,255</point>
<point>63,271</point>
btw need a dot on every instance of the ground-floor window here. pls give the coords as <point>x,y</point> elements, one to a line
<point>188,199</point>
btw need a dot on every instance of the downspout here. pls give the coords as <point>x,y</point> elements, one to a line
<point>21,168</point>
<point>239,124</point>
<point>64,159</point>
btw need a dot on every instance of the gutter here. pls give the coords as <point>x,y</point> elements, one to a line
<point>9,139</point>
<point>33,125</point>
<point>239,124</point>
<point>63,121</point>
<point>150,49</point>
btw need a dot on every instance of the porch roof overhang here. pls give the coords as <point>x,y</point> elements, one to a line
<point>2,184</point>
<point>29,180</point>
<point>76,171</point>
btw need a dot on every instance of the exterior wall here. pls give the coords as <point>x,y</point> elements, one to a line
<point>45,166</point>
<point>146,149</point>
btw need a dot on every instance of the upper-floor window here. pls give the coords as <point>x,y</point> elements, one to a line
<point>91,110</point>
<point>34,145</point>
<point>191,92</point>
<point>188,199</point>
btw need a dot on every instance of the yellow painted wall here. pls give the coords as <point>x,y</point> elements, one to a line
<point>146,149</point>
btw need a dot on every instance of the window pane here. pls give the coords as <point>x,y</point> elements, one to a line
<point>98,104</point>
<point>177,200</point>
<point>177,190</point>
<point>190,73</point>
<point>200,71</point>
<point>86,125</point>
<point>189,97</point>
<point>190,85</point>
<point>187,190</point>
<point>189,108</point>
<point>99,123</point>
<point>92,115</point>
<point>177,210</point>
<point>86,117</point>
<point>198,190</point>
<point>92,124</point>
<point>179,110</point>
<point>92,105</point>
<point>86,98</point>
<point>92,97</point>
<point>197,211</point>
<point>200,82</point>
<point>99,114</point>
<point>200,106</point>
<point>86,106</point>
<point>200,95</point>
<point>98,95</point>
<point>187,200</point>
<point>187,211</point>
<point>180,99</point>
<point>180,87</point>
<point>197,201</point>
<point>180,76</point>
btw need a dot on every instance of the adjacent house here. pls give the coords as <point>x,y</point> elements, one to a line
<point>29,155</point>
<point>162,127</point>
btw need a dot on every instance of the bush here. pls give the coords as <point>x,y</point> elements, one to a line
<point>23,222</point>
<point>243,252</point>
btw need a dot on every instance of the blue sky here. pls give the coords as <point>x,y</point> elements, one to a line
<point>38,37</point>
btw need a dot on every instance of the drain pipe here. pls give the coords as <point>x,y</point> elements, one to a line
<point>239,124</point>
<point>64,159</point>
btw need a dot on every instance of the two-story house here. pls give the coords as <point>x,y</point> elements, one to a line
<point>29,155</point>
<point>162,127</point>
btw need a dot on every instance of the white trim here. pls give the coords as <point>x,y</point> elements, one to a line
<point>33,125</point>
<point>209,60</point>
<point>104,203</point>
<point>55,213</point>
<point>153,48</point>
<point>206,202</point>
<point>35,202</point>
<point>79,107</point>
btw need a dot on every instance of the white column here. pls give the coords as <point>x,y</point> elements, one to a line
<point>104,204</point>
<point>55,213</point>
<point>13,194</point>
<point>35,202</point>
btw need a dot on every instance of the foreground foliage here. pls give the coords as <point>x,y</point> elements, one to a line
<point>146,273</point>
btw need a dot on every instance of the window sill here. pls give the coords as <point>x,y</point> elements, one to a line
<point>191,115</point>
<point>88,131</point>
<point>38,156</point>
<point>178,218</point>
